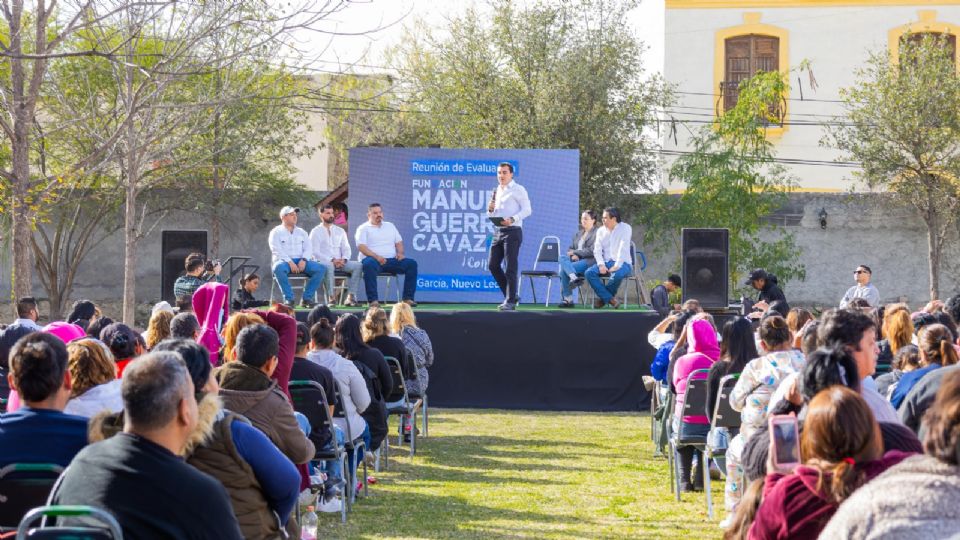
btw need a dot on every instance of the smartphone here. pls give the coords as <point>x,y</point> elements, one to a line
<point>784,442</point>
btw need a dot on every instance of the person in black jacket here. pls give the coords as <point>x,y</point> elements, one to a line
<point>349,341</point>
<point>376,333</point>
<point>243,298</point>
<point>770,293</point>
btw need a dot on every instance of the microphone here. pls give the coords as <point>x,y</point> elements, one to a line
<point>493,201</point>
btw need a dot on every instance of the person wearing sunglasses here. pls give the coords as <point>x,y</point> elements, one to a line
<point>863,289</point>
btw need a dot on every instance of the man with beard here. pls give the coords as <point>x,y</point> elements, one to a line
<point>331,248</point>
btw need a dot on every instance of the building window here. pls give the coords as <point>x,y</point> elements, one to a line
<point>744,56</point>
<point>916,38</point>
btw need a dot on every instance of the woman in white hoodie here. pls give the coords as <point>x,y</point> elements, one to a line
<point>93,372</point>
<point>353,388</point>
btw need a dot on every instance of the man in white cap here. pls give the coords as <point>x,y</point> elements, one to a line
<point>292,254</point>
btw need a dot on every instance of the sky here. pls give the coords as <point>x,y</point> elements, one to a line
<point>380,24</point>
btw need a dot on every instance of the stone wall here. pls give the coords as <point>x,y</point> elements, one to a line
<point>863,228</point>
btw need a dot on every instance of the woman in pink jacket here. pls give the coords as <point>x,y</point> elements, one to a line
<point>702,352</point>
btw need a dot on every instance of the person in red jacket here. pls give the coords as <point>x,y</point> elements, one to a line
<point>842,449</point>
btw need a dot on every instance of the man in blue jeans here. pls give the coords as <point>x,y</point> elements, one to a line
<point>611,249</point>
<point>292,253</point>
<point>381,249</point>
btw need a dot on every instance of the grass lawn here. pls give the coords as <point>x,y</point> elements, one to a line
<point>524,474</point>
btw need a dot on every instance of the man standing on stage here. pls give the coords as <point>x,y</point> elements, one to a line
<point>611,249</point>
<point>332,249</point>
<point>381,249</point>
<point>292,254</point>
<point>510,202</point>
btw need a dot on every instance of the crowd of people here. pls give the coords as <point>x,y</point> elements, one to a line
<point>874,393</point>
<point>187,429</point>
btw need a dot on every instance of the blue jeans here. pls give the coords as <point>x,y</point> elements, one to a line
<point>366,442</point>
<point>312,269</point>
<point>332,466</point>
<point>407,267</point>
<point>568,267</point>
<point>608,291</point>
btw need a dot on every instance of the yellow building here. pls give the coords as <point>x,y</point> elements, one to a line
<point>711,45</point>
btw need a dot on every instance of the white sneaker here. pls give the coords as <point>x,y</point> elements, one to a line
<point>332,505</point>
<point>727,522</point>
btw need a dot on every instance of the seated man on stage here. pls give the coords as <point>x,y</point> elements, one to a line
<point>579,257</point>
<point>611,249</point>
<point>292,254</point>
<point>332,249</point>
<point>381,249</point>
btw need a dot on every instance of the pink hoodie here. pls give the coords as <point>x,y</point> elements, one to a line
<point>702,352</point>
<point>211,305</point>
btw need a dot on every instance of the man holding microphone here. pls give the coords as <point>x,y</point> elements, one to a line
<point>511,203</point>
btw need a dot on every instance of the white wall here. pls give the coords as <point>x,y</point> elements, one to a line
<point>835,40</point>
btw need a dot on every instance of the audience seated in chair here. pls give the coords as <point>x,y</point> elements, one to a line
<point>404,324</point>
<point>247,389</point>
<point>841,449</point>
<point>185,326</point>
<point>352,386</point>
<point>122,341</point>
<point>375,371</point>
<point>919,497</point>
<point>703,352</point>
<point>305,370</point>
<point>39,431</point>
<point>139,475</point>
<point>376,334</point>
<point>284,325</point>
<point>93,372</point>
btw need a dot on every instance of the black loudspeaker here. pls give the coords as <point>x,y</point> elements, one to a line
<point>175,246</point>
<point>705,266</point>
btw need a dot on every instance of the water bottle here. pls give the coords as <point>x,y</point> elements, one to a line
<point>308,525</point>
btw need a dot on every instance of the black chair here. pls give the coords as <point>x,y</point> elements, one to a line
<point>549,253</point>
<point>97,524</point>
<point>694,404</point>
<point>24,486</point>
<point>310,400</point>
<point>390,275</point>
<point>724,416</point>
<point>400,404</point>
<point>4,391</point>
<point>351,444</point>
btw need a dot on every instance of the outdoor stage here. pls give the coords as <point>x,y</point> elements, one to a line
<point>537,358</point>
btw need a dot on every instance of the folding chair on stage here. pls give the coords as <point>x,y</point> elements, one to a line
<point>97,524</point>
<point>340,279</point>
<point>298,282</point>
<point>310,400</point>
<point>694,404</point>
<point>399,404</point>
<point>724,416</point>
<point>548,253</point>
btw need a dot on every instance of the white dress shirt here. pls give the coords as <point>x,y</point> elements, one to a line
<point>329,243</point>
<point>286,246</point>
<point>613,245</point>
<point>868,292</point>
<point>381,240</point>
<point>512,202</point>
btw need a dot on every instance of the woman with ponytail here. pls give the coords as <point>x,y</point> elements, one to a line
<point>935,342</point>
<point>841,449</point>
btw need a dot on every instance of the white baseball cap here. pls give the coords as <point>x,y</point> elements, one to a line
<point>288,210</point>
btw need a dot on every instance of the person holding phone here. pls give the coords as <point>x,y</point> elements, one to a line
<point>840,449</point>
<point>511,204</point>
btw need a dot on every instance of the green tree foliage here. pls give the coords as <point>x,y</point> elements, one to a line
<point>903,125</point>
<point>546,74</point>
<point>732,181</point>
